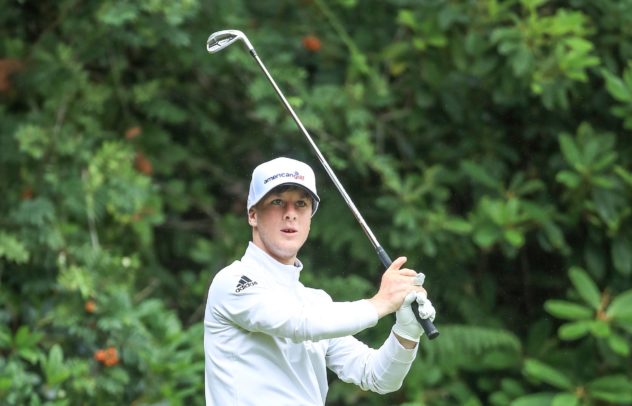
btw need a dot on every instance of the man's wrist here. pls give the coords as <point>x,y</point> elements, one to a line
<point>406,343</point>
<point>381,307</point>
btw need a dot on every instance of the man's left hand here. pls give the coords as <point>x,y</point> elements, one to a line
<point>406,325</point>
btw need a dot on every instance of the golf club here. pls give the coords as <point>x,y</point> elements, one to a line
<point>222,39</point>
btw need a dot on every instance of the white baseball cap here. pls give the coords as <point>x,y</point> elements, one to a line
<point>282,171</point>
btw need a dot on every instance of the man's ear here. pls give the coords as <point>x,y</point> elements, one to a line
<point>252,217</point>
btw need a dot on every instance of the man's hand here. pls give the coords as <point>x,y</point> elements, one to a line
<point>406,325</point>
<point>396,284</point>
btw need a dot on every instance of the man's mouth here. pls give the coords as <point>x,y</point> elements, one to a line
<point>289,230</point>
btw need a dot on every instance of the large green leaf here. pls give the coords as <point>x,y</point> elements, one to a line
<point>585,286</point>
<point>570,150</point>
<point>53,365</point>
<point>575,330</point>
<point>536,399</point>
<point>622,254</point>
<point>617,87</point>
<point>545,373</point>
<point>620,308</point>
<point>568,310</point>
<point>565,399</point>
<point>25,343</point>
<point>619,345</point>
<point>570,179</point>
<point>613,388</point>
<point>624,174</point>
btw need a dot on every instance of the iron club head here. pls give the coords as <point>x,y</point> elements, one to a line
<point>222,39</point>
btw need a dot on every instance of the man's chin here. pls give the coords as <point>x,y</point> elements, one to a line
<point>286,255</point>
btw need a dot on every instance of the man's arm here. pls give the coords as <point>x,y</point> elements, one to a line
<point>382,370</point>
<point>267,309</point>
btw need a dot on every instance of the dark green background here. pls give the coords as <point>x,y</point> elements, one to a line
<point>488,141</point>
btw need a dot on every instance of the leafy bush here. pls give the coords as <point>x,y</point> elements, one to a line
<point>487,141</point>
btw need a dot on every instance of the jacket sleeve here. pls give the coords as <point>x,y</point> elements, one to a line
<point>382,370</point>
<point>305,314</point>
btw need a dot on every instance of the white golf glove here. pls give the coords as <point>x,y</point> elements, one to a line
<point>406,325</point>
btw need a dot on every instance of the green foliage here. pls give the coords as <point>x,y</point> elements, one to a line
<point>487,141</point>
<point>620,88</point>
<point>607,319</point>
<point>12,249</point>
<point>550,50</point>
<point>479,348</point>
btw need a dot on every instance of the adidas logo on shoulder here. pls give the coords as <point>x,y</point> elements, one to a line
<point>244,282</point>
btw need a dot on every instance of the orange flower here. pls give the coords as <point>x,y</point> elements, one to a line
<point>111,357</point>
<point>133,132</point>
<point>90,306</point>
<point>312,43</point>
<point>99,355</point>
<point>143,165</point>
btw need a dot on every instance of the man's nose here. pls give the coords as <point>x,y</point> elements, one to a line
<point>290,212</point>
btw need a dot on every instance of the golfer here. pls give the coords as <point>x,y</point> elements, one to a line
<point>269,340</point>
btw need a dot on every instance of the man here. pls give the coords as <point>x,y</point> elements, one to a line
<point>268,339</point>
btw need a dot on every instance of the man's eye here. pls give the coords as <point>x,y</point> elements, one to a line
<point>276,202</point>
<point>301,203</point>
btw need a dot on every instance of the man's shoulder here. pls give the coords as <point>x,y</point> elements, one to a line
<point>230,270</point>
<point>234,277</point>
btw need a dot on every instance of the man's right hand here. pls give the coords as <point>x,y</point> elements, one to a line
<point>395,285</point>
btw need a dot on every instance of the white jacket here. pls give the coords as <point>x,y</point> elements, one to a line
<point>268,339</point>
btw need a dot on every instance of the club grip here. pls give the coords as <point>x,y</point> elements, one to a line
<point>429,328</point>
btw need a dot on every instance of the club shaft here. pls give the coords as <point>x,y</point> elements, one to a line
<point>429,328</point>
